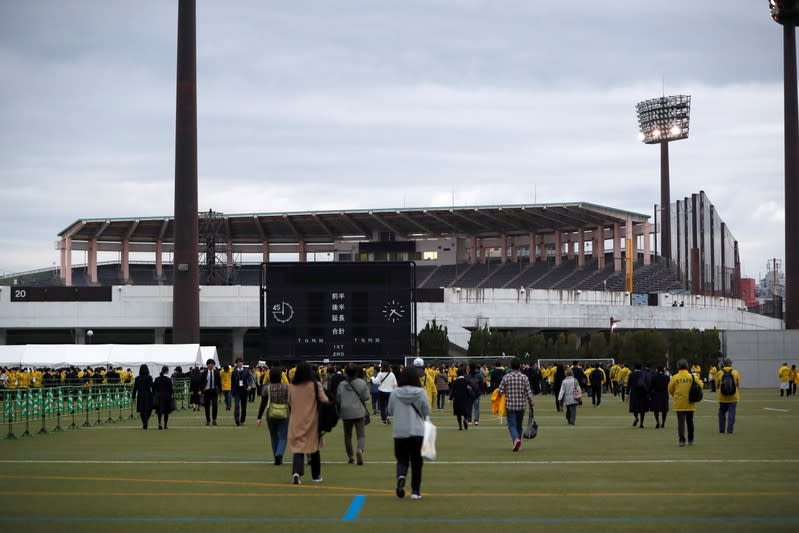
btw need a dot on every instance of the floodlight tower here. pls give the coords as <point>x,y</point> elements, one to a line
<point>786,12</point>
<point>662,120</point>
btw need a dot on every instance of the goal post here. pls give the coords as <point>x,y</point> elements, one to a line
<point>449,360</point>
<point>585,363</point>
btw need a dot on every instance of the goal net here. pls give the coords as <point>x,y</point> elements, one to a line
<point>464,360</point>
<point>585,363</point>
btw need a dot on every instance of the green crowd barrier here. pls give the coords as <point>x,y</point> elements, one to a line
<point>45,406</point>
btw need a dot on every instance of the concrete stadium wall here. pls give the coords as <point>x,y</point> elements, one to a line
<point>757,355</point>
<point>237,308</point>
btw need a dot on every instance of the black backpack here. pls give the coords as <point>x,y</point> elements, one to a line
<point>695,392</point>
<point>328,413</point>
<point>727,387</point>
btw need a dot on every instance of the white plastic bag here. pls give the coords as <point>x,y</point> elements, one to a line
<point>429,441</point>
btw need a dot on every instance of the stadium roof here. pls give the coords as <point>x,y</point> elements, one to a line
<point>330,226</point>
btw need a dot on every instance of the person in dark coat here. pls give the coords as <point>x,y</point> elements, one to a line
<point>639,384</point>
<point>143,394</point>
<point>660,397</point>
<point>195,388</point>
<point>162,389</point>
<point>560,375</point>
<point>460,392</point>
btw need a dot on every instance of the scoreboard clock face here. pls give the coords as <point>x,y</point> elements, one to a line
<point>339,310</point>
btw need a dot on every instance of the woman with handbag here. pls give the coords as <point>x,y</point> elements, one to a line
<point>275,399</point>
<point>570,396</point>
<point>304,396</point>
<point>143,394</point>
<point>409,406</point>
<point>352,397</point>
<point>162,395</point>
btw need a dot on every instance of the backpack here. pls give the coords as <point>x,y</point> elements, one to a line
<point>695,392</point>
<point>727,387</point>
<point>328,413</point>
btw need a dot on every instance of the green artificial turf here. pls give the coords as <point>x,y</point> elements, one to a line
<point>602,474</point>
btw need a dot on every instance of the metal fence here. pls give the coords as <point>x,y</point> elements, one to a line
<point>24,412</point>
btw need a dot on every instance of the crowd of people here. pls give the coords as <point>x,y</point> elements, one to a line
<point>33,378</point>
<point>404,397</point>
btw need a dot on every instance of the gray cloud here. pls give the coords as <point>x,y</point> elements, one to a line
<point>348,104</point>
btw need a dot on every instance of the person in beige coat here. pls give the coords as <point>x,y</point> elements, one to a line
<point>304,435</point>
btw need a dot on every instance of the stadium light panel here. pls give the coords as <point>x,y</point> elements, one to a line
<point>664,119</point>
<point>783,10</point>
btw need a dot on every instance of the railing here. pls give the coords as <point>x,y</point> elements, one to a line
<point>53,409</point>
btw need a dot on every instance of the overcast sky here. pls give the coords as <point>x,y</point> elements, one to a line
<point>348,104</point>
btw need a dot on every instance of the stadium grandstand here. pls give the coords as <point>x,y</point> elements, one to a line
<point>552,246</point>
<point>542,267</point>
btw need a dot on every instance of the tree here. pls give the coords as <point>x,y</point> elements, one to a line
<point>478,341</point>
<point>433,340</point>
<point>597,346</point>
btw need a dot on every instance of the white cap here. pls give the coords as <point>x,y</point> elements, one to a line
<point>418,362</point>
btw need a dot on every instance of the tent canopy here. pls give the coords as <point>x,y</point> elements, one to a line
<point>118,355</point>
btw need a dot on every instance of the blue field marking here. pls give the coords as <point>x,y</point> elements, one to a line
<point>355,508</point>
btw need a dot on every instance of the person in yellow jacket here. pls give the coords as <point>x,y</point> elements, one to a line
<point>679,388</point>
<point>614,379</point>
<point>225,377</point>
<point>24,379</point>
<point>36,378</point>
<point>728,403</point>
<point>711,374</point>
<point>784,373</point>
<point>622,376</point>
<point>795,379</point>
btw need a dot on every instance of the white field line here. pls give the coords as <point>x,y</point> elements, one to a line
<point>775,409</point>
<point>568,462</point>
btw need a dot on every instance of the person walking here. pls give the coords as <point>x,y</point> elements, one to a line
<point>304,396</point>
<point>386,382</point>
<point>679,388</point>
<point>660,397</point>
<point>460,392</point>
<point>275,399</point>
<point>784,374</point>
<point>568,394</point>
<point>352,397</point>
<point>143,394</point>
<point>442,388</point>
<point>242,383</point>
<point>639,383</point>
<point>210,385</point>
<point>516,388</point>
<point>226,378</point>
<point>478,385</point>
<point>597,380</point>
<point>560,375</point>
<point>728,384</point>
<point>162,390</point>
<point>408,405</point>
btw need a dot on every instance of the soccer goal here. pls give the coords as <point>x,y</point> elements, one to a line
<point>461,360</point>
<point>585,363</point>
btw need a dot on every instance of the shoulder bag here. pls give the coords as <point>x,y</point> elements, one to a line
<point>327,411</point>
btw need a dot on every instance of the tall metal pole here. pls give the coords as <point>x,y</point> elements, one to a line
<point>186,287</point>
<point>665,203</point>
<point>791,177</point>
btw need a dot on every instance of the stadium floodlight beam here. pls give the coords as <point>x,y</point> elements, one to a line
<point>786,12</point>
<point>660,121</point>
<point>186,284</point>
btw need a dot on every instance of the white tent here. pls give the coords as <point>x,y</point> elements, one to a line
<point>82,355</point>
<point>209,352</point>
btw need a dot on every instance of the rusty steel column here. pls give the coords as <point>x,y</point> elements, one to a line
<point>791,177</point>
<point>665,203</point>
<point>186,288</point>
